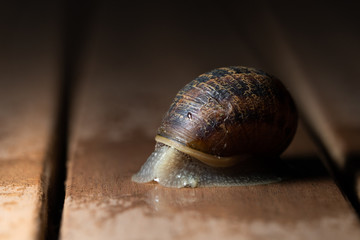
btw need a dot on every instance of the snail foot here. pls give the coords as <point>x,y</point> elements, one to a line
<point>172,168</point>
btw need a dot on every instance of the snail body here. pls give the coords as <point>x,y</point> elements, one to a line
<point>218,120</point>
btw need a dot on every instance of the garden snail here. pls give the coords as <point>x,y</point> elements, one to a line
<point>221,119</point>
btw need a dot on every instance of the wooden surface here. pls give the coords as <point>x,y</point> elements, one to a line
<point>128,70</point>
<point>131,74</point>
<point>107,204</point>
<point>28,74</point>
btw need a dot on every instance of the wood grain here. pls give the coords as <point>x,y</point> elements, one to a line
<point>135,67</point>
<point>28,74</point>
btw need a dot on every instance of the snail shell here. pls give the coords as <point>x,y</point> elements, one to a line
<point>223,117</point>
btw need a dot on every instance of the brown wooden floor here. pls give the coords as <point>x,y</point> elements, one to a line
<point>82,94</point>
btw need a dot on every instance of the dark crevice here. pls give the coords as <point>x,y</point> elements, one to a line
<point>76,18</point>
<point>55,169</point>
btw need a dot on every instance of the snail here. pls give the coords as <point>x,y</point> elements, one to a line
<point>217,125</point>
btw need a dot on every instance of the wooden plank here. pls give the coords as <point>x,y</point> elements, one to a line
<point>318,56</point>
<point>28,69</point>
<point>135,67</point>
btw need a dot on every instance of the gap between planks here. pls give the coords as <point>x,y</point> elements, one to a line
<point>76,24</point>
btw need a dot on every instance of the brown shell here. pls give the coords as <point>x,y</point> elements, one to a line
<point>232,111</point>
